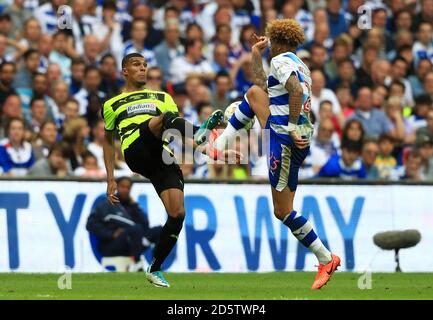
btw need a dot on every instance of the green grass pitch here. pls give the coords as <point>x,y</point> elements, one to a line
<point>216,286</point>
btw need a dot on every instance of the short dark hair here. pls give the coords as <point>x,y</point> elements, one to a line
<point>36,98</point>
<point>386,137</point>
<point>423,99</point>
<point>222,74</point>
<point>91,68</point>
<point>129,56</point>
<point>201,105</point>
<point>123,178</point>
<point>78,61</point>
<point>351,145</point>
<point>29,52</point>
<point>57,147</point>
<point>191,43</point>
<point>109,4</point>
<point>397,83</point>
<point>5,63</point>
<point>107,56</point>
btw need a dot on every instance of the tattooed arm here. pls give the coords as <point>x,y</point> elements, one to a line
<point>257,49</point>
<point>295,91</point>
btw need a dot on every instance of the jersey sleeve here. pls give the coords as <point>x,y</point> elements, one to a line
<point>170,105</point>
<point>109,117</point>
<point>282,68</point>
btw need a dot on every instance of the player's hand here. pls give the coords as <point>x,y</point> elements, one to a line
<point>261,43</point>
<point>299,142</point>
<point>111,189</point>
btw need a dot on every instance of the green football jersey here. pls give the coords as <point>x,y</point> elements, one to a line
<point>128,110</point>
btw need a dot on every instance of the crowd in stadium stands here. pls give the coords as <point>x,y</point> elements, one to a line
<point>372,87</point>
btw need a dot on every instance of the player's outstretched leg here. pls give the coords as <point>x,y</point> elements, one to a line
<point>254,103</point>
<point>173,202</point>
<point>171,120</point>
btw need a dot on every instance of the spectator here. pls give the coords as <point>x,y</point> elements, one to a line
<point>319,56</point>
<point>91,83</point>
<point>428,83</point>
<point>95,147</point>
<point>11,109</point>
<point>52,166</point>
<point>336,19</point>
<point>320,93</point>
<point>354,131</point>
<point>139,33</point>
<point>92,50</point>
<point>192,62</point>
<point>375,122</point>
<point>428,129</point>
<point>7,77</point>
<point>38,114</point>
<point>16,154</point>
<point>394,112</point>
<point>345,75</point>
<point>194,32</point>
<point>75,134</point>
<point>418,118</point>
<point>398,72</point>
<point>19,15</point>
<point>221,58</point>
<point>416,80</point>
<point>370,150</point>
<point>378,96</point>
<point>122,229</point>
<point>89,167</point>
<point>110,32</point>
<point>370,54</point>
<point>31,34</point>
<point>241,74</point>
<point>345,99</point>
<point>110,81</point>
<point>385,162</point>
<point>78,68</point>
<point>220,95</point>
<point>423,48</point>
<point>154,79</point>
<point>39,89</point>
<point>82,23</point>
<point>24,76</point>
<point>46,138</point>
<point>424,147</point>
<point>60,93</point>
<point>45,45</point>
<point>412,167</point>
<point>322,148</point>
<point>60,56</point>
<point>170,48</point>
<point>347,166</point>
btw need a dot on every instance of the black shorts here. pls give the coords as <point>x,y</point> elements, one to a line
<point>145,156</point>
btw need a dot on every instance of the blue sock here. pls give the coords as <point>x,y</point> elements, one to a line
<point>303,231</point>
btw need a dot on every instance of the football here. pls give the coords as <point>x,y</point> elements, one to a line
<point>229,112</point>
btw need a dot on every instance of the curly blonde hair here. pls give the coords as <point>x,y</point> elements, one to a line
<point>287,32</point>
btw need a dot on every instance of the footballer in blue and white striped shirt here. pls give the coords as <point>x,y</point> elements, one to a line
<point>281,103</point>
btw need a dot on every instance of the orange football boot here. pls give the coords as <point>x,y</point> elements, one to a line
<point>325,272</point>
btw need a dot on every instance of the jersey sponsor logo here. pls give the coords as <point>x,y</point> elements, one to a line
<point>141,108</point>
